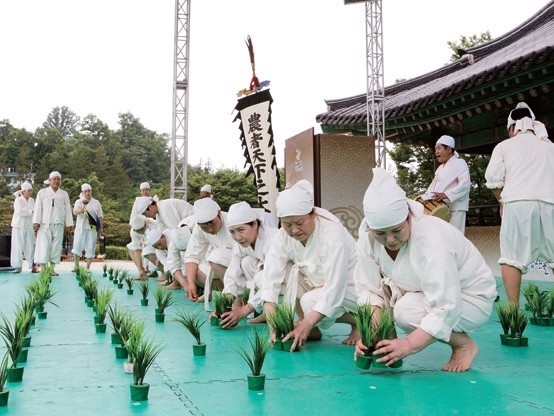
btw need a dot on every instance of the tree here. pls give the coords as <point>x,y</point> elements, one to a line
<point>64,120</point>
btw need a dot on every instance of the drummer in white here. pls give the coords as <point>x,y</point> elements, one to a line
<point>451,183</point>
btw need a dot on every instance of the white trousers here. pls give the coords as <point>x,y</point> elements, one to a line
<point>85,239</point>
<point>458,220</point>
<point>527,234</point>
<point>410,309</point>
<point>309,297</point>
<point>23,244</point>
<point>48,248</point>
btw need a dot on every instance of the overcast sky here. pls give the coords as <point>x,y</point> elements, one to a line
<point>106,57</point>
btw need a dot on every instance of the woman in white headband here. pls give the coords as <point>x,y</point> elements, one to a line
<point>23,235</point>
<point>322,252</point>
<point>253,237</point>
<point>433,278</point>
<point>521,176</point>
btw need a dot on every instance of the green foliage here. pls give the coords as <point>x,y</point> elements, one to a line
<point>117,253</point>
<point>222,302</point>
<point>4,371</point>
<point>192,322</point>
<point>90,287</point>
<point>281,320</point>
<point>128,279</point>
<point>363,319</point>
<point>144,356</point>
<point>538,300</point>
<point>163,298</point>
<point>259,345</point>
<point>466,42</point>
<point>132,343</point>
<point>512,319</point>
<point>144,288</point>
<point>384,328</point>
<point>40,292</point>
<point>13,336</point>
<point>103,299</point>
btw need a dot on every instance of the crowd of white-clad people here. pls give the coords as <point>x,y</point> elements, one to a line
<point>420,268</point>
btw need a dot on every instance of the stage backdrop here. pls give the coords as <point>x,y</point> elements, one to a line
<point>339,167</point>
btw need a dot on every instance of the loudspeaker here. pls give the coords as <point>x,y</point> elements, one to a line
<point>338,166</point>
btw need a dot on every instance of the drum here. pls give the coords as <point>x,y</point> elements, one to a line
<point>435,208</point>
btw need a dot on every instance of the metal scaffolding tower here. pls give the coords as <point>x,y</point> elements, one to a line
<point>375,78</point>
<point>179,130</point>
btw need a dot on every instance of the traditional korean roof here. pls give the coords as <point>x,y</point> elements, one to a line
<point>469,99</point>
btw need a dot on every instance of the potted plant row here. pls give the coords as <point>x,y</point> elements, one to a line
<point>193,323</point>
<point>541,305</point>
<point>13,335</point>
<point>513,321</point>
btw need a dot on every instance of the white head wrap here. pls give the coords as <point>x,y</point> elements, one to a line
<point>144,185</point>
<point>142,203</point>
<point>153,236</point>
<point>85,187</point>
<point>528,123</point>
<point>205,209</point>
<point>240,213</point>
<point>448,141</point>
<point>385,203</point>
<point>206,188</point>
<point>137,222</point>
<point>25,186</point>
<point>54,174</point>
<point>298,200</point>
<point>518,106</point>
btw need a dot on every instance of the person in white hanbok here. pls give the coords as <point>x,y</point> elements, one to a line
<point>253,237</point>
<point>211,242</point>
<point>451,183</point>
<point>88,227</point>
<point>52,216</point>
<point>320,284</point>
<point>23,235</point>
<point>521,176</point>
<point>434,279</point>
<point>137,247</point>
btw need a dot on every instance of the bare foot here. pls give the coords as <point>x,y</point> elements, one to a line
<point>161,282</point>
<point>462,356</point>
<point>353,337</point>
<point>175,285</point>
<point>315,334</point>
<point>141,277</point>
<point>54,273</point>
<point>258,319</point>
<point>200,299</point>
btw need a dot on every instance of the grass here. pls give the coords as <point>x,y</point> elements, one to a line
<point>222,302</point>
<point>281,320</point>
<point>144,356</point>
<point>255,359</point>
<point>13,335</point>
<point>384,329</point>
<point>192,322</point>
<point>4,371</point>
<point>163,298</point>
<point>363,320</point>
<point>103,301</point>
<point>144,288</point>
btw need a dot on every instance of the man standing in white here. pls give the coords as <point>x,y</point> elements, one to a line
<point>451,183</point>
<point>23,236</point>
<point>88,227</point>
<point>521,176</point>
<point>52,213</point>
